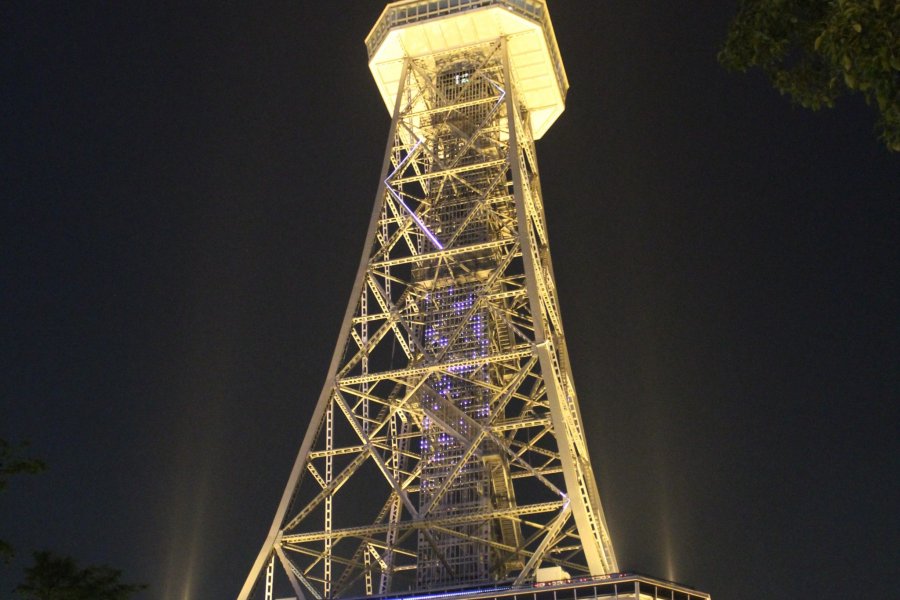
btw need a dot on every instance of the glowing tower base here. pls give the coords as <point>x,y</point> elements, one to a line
<point>446,449</point>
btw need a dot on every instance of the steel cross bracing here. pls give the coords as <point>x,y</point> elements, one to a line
<point>447,446</point>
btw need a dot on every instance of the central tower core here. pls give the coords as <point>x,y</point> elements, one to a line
<point>461,131</point>
<point>460,52</point>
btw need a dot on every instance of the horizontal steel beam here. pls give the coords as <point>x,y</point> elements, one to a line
<point>370,530</point>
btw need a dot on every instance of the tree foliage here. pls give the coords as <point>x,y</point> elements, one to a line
<point>817,50</point>
<point>12,462</point>
<point>54,577</point>
<point>60,578</point>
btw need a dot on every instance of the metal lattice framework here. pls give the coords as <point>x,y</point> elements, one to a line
<point>446,447</point>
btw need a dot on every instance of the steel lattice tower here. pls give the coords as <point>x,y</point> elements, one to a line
<point>446,448</point>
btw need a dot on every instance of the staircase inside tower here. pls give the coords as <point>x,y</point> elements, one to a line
<point>465,473</point>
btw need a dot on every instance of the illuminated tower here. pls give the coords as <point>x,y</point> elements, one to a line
<point>446,449</point>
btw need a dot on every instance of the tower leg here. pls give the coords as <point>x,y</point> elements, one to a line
<point>583,495</point>
<point>327,390</point>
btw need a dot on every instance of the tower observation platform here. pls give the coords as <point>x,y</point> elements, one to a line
<point>446,455</point>
<point>419,28</point>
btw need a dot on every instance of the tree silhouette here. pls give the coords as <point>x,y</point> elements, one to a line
<point>13,463</point>
<point>54,577</point>
<point>60,578</point>
<point>818,50</point>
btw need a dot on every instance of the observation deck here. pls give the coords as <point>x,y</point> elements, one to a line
<point>417,28</point>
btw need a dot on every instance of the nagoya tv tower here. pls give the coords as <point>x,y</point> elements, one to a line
<point>446,455</point>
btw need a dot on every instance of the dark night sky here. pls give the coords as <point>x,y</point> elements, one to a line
<point>185,192</point>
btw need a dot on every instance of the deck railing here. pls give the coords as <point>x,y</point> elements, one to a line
<point>415,11</point>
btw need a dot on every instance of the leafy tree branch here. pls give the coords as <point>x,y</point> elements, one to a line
<point>13,462</point>
<point>818,50</point>
<point>54,577</point>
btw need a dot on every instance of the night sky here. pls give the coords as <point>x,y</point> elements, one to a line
<point>185,192</point>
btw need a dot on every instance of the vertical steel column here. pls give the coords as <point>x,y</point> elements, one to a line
<point>270,576</point>
<point>329,477</point>
<point>367,564</point>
